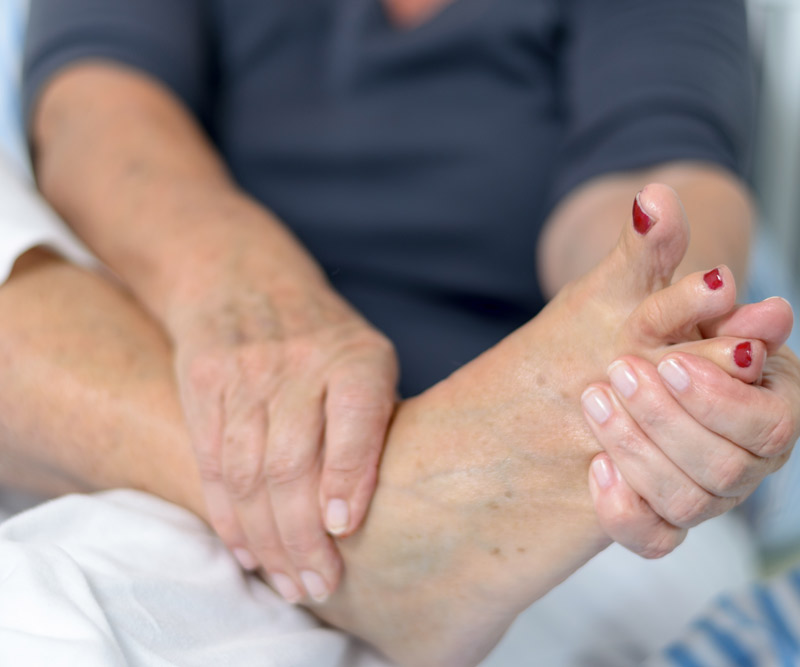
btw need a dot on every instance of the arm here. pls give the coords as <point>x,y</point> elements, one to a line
<point>270,360</point>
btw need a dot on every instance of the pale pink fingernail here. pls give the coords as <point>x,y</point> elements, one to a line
<point>596,405</point>
<point>674,375</point>
<point>246,559</point>
<point>604,473</point>
<point>623,379</point>
<point>315,585</point>
<point>337,516</point>
<point>286,587</point>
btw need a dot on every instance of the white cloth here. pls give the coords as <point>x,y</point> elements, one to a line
<point>123,578</point>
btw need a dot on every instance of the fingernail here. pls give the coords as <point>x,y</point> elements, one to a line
<point>623,379</point>
<point>780,298</point>
<point>604,473</point>
<point>315,586</point>
<point>713,279</point>
<point>674,375</point>
<point>286,588</point>
<point>337,516</point>
<point>246,559</point>
<point>743,355</point>
<point>596,405</point>
<point>642,222</point>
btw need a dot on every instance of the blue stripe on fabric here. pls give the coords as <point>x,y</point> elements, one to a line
<point>727,644</point>
<point>727,604</point>
<point>783,639</point>
<point>680,654</point>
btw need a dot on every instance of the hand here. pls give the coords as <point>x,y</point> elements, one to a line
<point>288,398</point>
<point>695,438</point>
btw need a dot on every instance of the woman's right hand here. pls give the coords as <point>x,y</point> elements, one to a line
<point>287,397</point>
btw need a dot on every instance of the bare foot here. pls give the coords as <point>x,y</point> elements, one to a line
<point>483,504</point>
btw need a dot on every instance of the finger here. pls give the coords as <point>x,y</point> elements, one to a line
<point>625,517</point>
<point>739,358</point>
<point>244,442</point>
<point>203,405</point>
<point>761,419</point>
<point>770,321</point>
<point>293,465</point>
<point>716,464</point>
<point>666,488</point>
<point>358,406</point>
<point>672,314</point>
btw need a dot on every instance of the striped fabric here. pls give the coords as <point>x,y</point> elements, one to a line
<point>12,30</point>
<point>758,628</point>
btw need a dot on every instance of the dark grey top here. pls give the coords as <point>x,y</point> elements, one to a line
<point>418,165</point>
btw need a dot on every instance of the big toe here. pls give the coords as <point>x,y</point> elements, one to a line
<point>652,243</point>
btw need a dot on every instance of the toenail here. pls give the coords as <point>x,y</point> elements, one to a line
<point>674,374</point>
<point>623,379</point>
<point>743,355</point>
<point>642,222</point>
<point>596,405</point>
<point>713,279</point>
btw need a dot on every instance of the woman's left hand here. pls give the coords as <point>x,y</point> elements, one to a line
<point>688,441</point>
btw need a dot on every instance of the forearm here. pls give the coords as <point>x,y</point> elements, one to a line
<point>88,400</point>
<point>132,172</point>
<point>585,226</point>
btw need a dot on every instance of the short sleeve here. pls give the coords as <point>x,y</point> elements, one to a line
<point>167,39</point>
<point>650,81</point>
<point>26,222</point>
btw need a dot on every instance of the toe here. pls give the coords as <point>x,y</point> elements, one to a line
<point>673,314</point>
<point>652,243</point>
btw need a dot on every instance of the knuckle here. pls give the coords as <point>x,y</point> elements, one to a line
<point>732,474</point>
<point>209,468</point>
<point>629,444</point>
<point>300,546</point>
<point>255,362</point>
<point>359,400</point>
<point>267,546</point>
<point>663,542</point>
<point>242,480</point>
<point>690,508</point>
<point>281,470</point>
<point>777,437</point>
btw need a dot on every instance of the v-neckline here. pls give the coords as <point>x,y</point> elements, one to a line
<point>443,7</point>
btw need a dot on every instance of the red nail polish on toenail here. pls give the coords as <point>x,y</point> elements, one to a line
<point>642,222</point>
<point>743,355</point>
<point>713,279</point>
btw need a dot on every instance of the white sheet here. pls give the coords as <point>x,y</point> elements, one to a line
<point>123,578</point>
